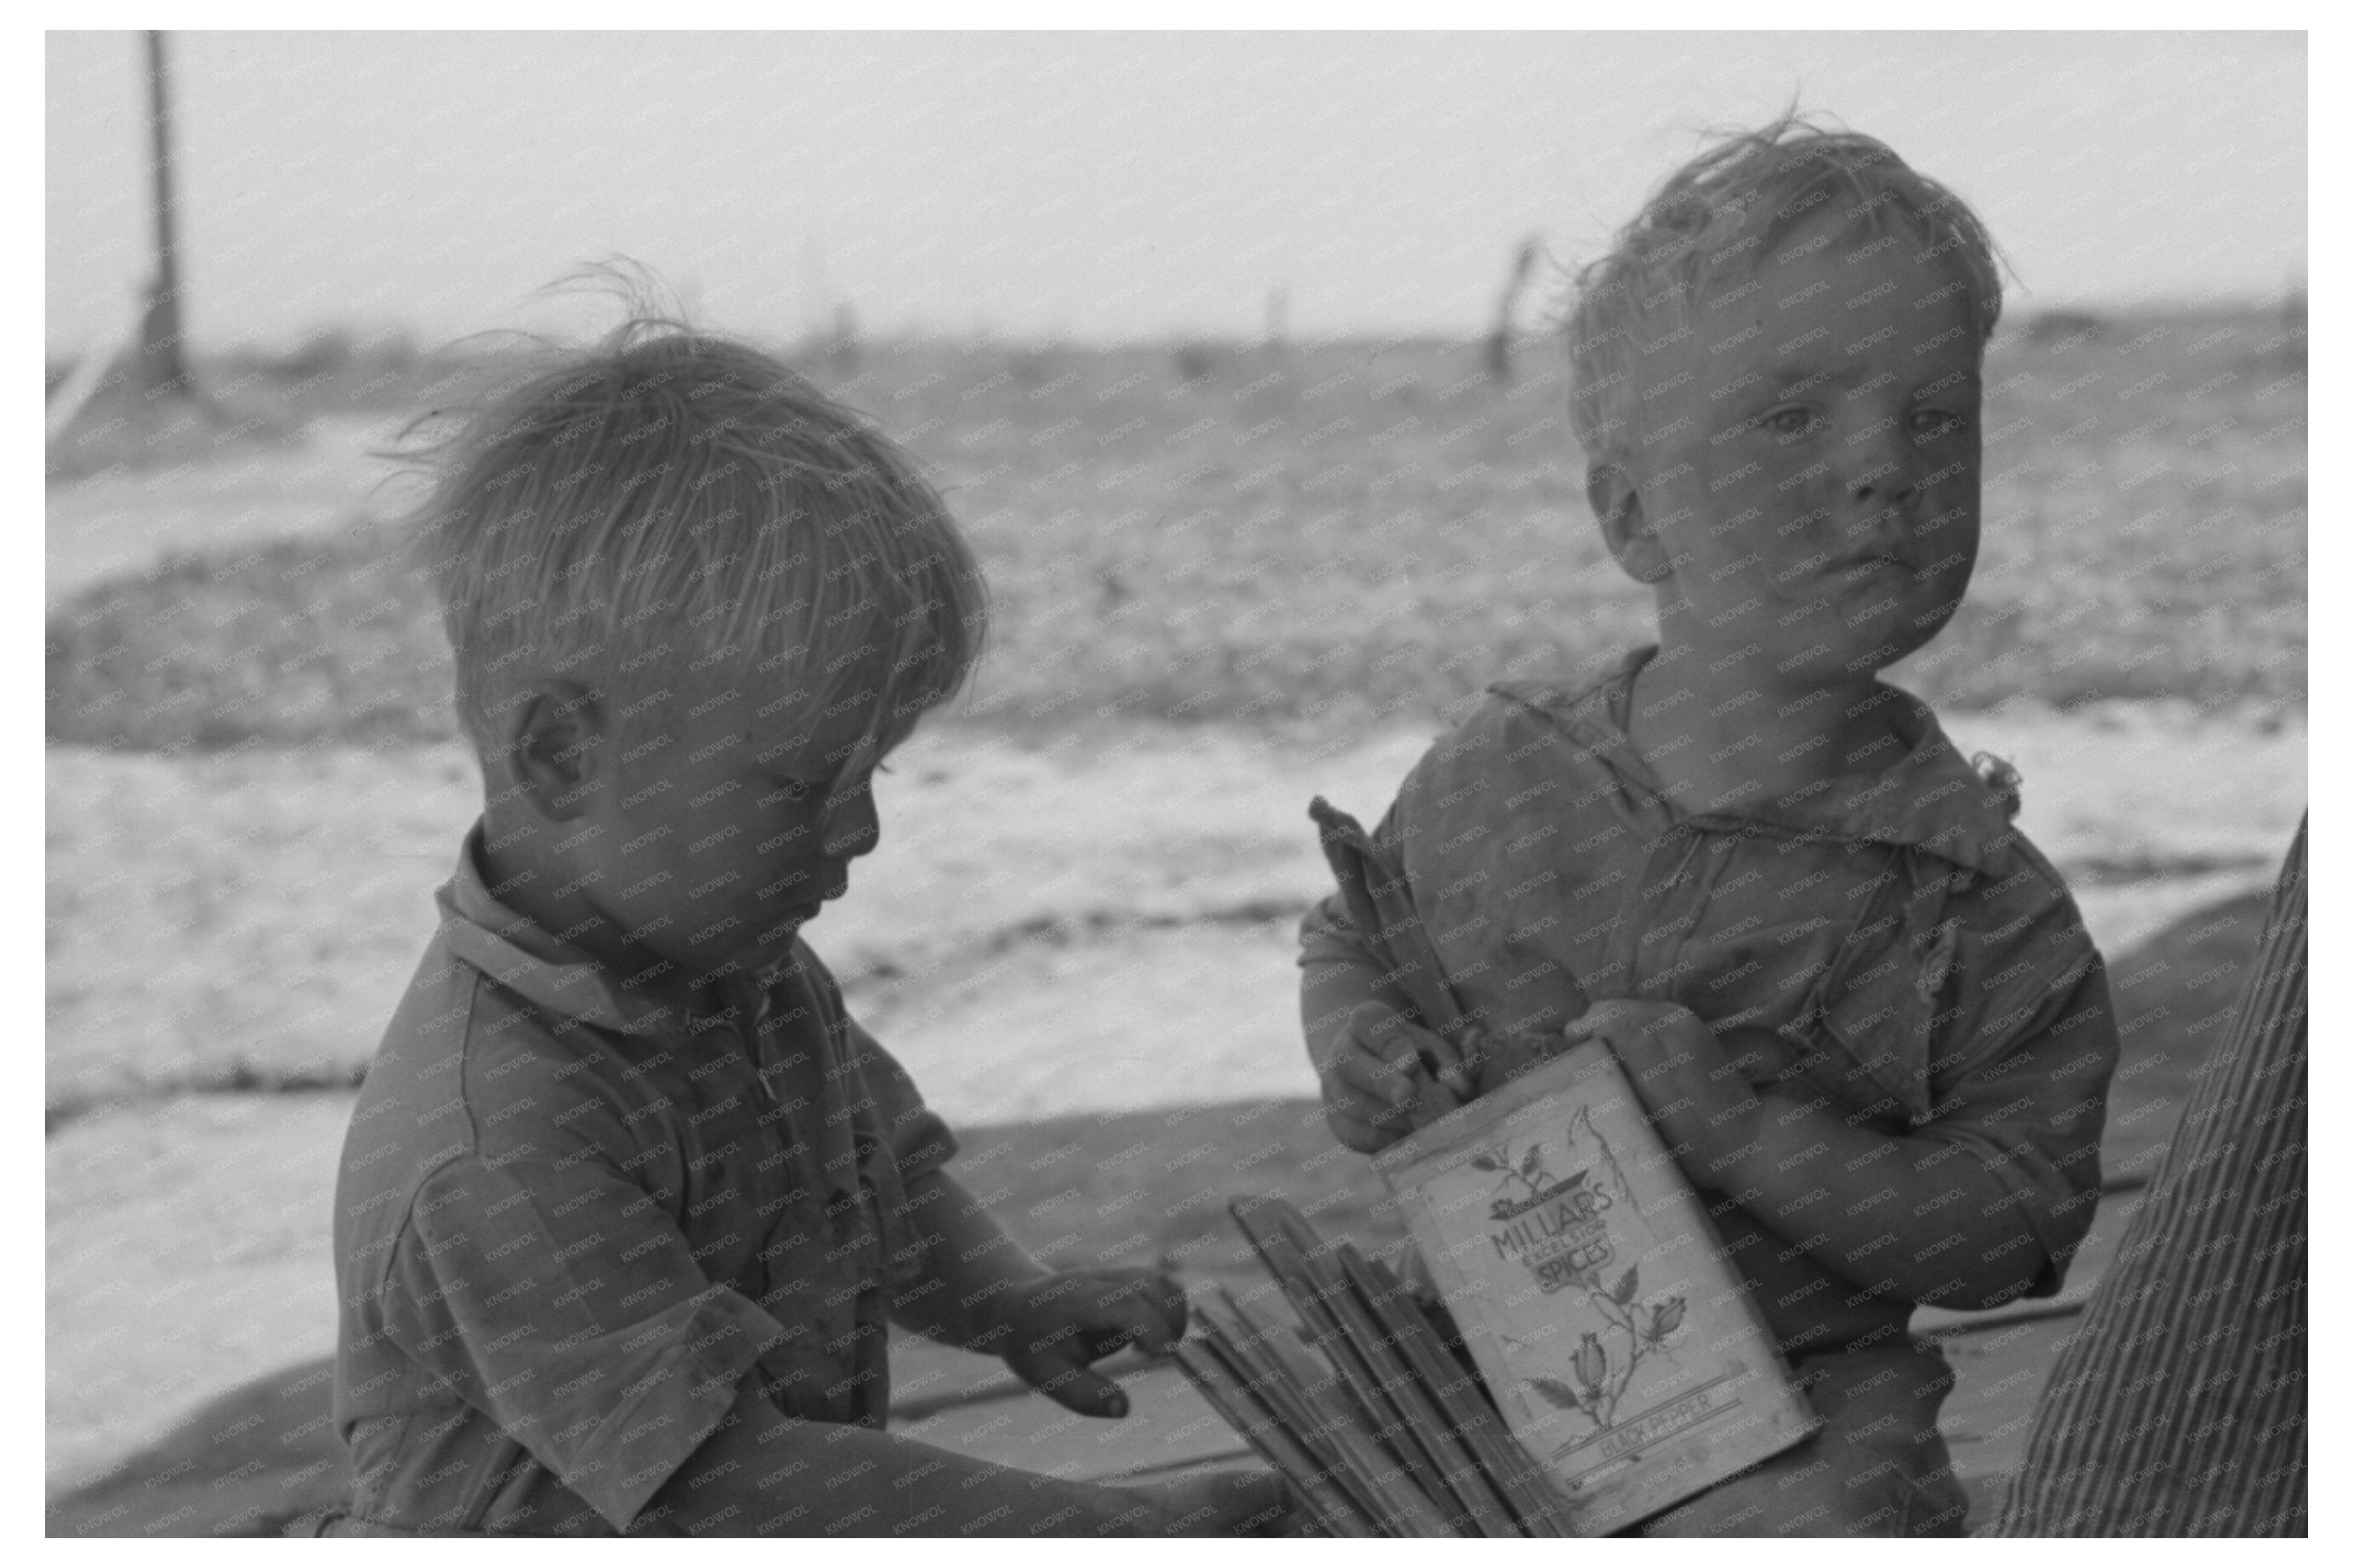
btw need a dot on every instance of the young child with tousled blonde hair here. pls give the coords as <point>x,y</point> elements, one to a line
<point>629,1200</point>
<point>1859,1007</point>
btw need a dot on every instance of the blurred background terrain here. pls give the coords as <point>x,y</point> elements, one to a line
<point>1235,564</point>
<point>1227,577</point>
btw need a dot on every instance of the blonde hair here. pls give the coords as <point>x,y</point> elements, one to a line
<point>675,505</point>
<point>1730,207</point>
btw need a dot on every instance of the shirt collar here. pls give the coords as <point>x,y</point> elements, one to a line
<point>544,970</point>
<point>1929,799</point>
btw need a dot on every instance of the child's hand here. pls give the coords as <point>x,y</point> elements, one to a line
<point>1218,1502</point>
<point>1061,1323</point>
<point>1375,1090</point>
<point>1694,1092</point>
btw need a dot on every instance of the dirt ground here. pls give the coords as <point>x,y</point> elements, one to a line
<point>1098,923</point>
<point>1045,927</point>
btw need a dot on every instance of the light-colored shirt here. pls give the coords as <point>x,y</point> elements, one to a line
<point>1900,950</point>
<point>571,1221</point>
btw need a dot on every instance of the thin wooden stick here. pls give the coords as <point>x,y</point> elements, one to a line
<point>1286,1248</point>
<point>1392,1484</point>
<point>1532,1494</point>
<point>1379,1429</point>
<point>1307,1410</point>
<point>1372,1332</point>
<point>1326,1504</point>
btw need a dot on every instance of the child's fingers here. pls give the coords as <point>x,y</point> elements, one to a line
<point>1393,1037</point>
<point>1070,1382</point>
<point>1629,1029</point>
<point>1143,1307</point>
<point>1356,1133</point>
<point>1436,1100</point>
<point>1383,1086</point>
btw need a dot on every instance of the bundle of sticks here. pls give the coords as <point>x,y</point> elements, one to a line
<point>1380,1429</point>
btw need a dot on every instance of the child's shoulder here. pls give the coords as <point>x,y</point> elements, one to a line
<point>470,1069</point>
<point>1532,726</point>
<point>1593,695</point>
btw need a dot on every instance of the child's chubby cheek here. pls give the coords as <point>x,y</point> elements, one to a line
<point>1775,550</point>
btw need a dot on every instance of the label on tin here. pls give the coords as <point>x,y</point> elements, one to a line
<point>1616,1337</point>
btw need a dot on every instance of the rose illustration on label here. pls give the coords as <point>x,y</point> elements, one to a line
<point>1604,1369</point>
<point>1557,1228</point>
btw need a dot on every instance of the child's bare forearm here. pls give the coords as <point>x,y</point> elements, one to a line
<point>1918,1219</point>
<point>765,1473</point>
<point>969,1267</point>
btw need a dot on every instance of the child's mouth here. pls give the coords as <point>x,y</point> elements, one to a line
<point>1860,568</point>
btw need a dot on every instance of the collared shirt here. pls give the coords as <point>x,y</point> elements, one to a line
<point>571,1221</point>
<point>1897,947</point>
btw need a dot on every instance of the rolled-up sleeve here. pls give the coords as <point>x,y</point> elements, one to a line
<point>919,1139</point>
<point>556,1295</point>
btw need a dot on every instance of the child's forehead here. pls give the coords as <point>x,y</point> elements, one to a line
<point>1825,309</point>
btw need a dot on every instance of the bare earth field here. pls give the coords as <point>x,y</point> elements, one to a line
<point>1079,923</point>
<point>1340,536</point>
<point>1226,580</point>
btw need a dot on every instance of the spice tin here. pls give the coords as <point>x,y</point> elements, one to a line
<point>1616,1335</point>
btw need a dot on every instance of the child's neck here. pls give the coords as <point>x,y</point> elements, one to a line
<point>559,903</point>
<point>1720,742</point>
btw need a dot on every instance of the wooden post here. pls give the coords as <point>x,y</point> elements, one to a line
<point>1500,341</point>
<point>2178,1407</point>
<point>163,363</point>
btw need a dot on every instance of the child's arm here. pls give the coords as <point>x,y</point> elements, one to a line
<point>979,1290</point>
<point>546,1288</point>
<point>972,1286</point>
<point>764,1473</point>
<point>1924,1218</point>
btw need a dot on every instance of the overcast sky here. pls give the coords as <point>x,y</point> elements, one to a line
<point>1103,186</point>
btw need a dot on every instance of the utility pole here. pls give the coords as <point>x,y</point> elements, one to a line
<point>163,364</point>
<point>1500,341</point>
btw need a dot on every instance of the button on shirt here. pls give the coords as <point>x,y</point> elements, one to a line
<point>1894,944</point>
<point>571,1222</point>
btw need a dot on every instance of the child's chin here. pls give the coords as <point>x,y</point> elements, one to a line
<point>1841,661</point>
<point>774,944</point>
<point>1872,636</point>
<point>785,923</point>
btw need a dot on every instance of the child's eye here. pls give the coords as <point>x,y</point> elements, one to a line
<point>1935,422</point>
<point>1788,421</point>
<point>794,791</point>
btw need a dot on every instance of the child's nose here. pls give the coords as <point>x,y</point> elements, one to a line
<point>1884,475</point>
<point>1883,488</point>
<point>850,826</point>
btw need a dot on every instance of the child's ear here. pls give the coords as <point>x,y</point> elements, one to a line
<point>1609,489</point>
<point>552,751</point>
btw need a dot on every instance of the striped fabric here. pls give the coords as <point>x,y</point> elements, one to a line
<point>2177,1407</point>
